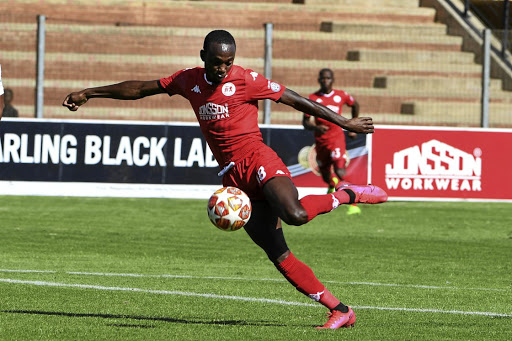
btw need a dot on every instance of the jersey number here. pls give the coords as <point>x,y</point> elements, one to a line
<point>336,154</point>
<point>261,173</point>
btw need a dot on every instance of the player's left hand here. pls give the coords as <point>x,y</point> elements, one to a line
<point>352,135</point>
<point>360,125</point>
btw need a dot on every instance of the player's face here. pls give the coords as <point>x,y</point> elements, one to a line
<point>325,79</point>
<point>218,60</point>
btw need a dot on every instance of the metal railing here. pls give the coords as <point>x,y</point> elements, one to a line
<point>496,16</point>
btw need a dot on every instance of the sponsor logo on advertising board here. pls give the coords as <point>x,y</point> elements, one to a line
<point>434,165</point>
<point>441,163</point>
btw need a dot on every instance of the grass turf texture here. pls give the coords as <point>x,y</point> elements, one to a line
<point>435,256</point>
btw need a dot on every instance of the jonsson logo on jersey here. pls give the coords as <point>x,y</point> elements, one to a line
<point>212,111</point>
<point>435,166</point>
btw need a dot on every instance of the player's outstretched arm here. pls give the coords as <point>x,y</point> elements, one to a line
<point>296,101</point>
<point>129,90</point>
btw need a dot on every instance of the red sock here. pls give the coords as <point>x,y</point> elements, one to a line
<point>320,204</point>
<point>304,280</point>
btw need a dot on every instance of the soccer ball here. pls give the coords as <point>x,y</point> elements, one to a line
<point>229,208</point>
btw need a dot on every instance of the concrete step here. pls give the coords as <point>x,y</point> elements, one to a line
<point>411,56</point>
<point>365,3</point>
<point>95,74</point>
<point>498,118</point>
<point>144,7</point>
<point>389,28</point>
<point>238,33</point>
<point>150,61</point>
<point>117,43</point>
<point>166,40</point>
<point>120,43</point>
<point>435,84</point>
<point>146,69</point>
<point>389,39</point>
<point>55,95</point>
<point>251,1</point>
<point>227,14</point>
<point>111,113</point>
<point>453,113</point>
<point>374,101</point>
<point>457,119</point>
<point>384,109</point>
<point>280,117</point>
<point>463,69</point>
<point>376,94</point>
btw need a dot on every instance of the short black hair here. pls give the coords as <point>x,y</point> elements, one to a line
<point>325,70</point>
<point>219,37</point>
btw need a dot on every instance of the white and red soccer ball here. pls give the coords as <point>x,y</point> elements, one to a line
<point>229,208</point>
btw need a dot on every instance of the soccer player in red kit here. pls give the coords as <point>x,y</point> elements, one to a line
<point>329,138</point>
<point>224,98</point>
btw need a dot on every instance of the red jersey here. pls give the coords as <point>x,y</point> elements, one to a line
<point>228,112</point>
<point>334,101</point>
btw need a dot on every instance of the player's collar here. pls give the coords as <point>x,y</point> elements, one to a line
<point>206,79</point>
<point>210,83</point>
<point>329,94</point>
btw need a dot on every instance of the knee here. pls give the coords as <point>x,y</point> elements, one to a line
<point>279,259</point>
<point>297,216</point>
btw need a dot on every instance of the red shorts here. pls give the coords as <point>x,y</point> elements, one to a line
<point>252,172</point>
<point>332,154</point>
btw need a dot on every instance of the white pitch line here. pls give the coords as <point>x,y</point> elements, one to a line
<point>418,286</point>
<point>282,280</point>
<point>29,271</point>
<point>174,276</point>
<point>161,292</point>
<point>241,298</point>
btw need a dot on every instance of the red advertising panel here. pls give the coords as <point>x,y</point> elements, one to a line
<point>428,163</point>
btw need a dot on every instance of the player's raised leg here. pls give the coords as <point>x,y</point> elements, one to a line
<point>265,230</point>
<point>284,199</point>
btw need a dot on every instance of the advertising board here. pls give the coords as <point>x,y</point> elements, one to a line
<point>436,163</point>
<point>135,158</point>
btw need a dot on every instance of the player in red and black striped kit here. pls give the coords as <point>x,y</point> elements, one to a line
<point>225,100</point>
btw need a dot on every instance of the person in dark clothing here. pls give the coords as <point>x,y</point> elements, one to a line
<point>9,110</point>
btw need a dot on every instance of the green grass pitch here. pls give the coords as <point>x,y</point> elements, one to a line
<point>156,269</point>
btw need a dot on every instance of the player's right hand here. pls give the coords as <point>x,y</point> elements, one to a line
<point>74,100</point>
<point>360,125</point>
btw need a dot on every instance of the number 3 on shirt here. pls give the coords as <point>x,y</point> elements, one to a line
<point>261,173</point>
<point>336,154</point>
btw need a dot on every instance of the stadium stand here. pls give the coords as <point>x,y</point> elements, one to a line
<point>401,65</point>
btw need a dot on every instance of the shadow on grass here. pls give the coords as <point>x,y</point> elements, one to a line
<point>146,318</point>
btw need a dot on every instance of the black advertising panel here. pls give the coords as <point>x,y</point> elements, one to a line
<point>116,152</point>
<point>120,152</point>
<point>125,152</point>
